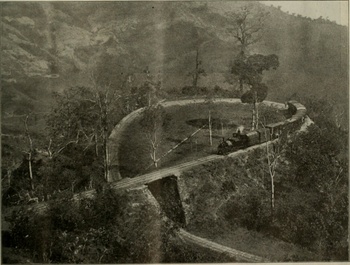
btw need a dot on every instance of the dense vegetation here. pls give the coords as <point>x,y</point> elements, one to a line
<point>99,230</point>
<point>311,194</point>
<point>87,233</point>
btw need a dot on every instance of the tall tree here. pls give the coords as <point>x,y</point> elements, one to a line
<point>247,30</point>
<point>198,71</point>
<point>104,96</point>
<point>250,71</point>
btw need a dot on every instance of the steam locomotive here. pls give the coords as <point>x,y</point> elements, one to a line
<point>271,131</point>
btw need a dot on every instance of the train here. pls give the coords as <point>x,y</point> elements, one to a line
<point>240,140</point>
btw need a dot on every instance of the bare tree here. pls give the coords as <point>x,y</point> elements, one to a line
<point>104,96</point>
<point>247,26</point>
<point>274,150</point>
<point>153,121</point>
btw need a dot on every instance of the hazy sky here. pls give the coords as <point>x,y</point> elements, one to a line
<point>334,10</point>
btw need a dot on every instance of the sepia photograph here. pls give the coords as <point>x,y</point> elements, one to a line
<point>174,132</point>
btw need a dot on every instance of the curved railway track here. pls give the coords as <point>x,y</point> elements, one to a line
<point>119,129</point>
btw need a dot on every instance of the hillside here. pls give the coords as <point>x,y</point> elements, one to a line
<point>49,46</point>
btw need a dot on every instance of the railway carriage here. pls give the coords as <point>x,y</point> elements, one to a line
<point>270,132</point>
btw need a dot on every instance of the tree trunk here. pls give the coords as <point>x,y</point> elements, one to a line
<point>271,162</point>
<point>30,170</point>
<point>272,199</point>
<point>105,159</point>
<point>195,80</point>
<point>241,85</point>
<point>155,162</point>
<point>253,117</point>
<point>106,163</point>
<point>256,116</point>
<point>96,144</point>
<point>210,132</point>
<point>195,76</point>
<point>29,153</point>
<point>9,174</point>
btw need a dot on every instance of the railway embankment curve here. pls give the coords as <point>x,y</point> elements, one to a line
<point>117,133</point>
<point>140,183</point>
<point>129,183</point>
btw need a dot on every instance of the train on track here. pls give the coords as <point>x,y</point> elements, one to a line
<point>271,131</point>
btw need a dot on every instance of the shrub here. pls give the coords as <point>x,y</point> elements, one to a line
<point>106,229</point>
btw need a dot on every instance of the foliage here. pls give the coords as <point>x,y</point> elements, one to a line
<point>249,69</point>
<point>250,211</point>
<point>50,177</point>
<point>90,231</point>
<point>82,121</point>
<point>194,90</point>
<point>256,94</point>
<point>74,118</point>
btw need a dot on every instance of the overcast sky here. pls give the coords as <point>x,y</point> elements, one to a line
<point>334,10</point>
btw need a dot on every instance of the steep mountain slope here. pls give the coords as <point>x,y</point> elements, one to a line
<point>48,46</point>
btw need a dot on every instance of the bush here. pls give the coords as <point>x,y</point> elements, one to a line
<point>194,91</point>
<point>251,211</point>
<point>106,229</point>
